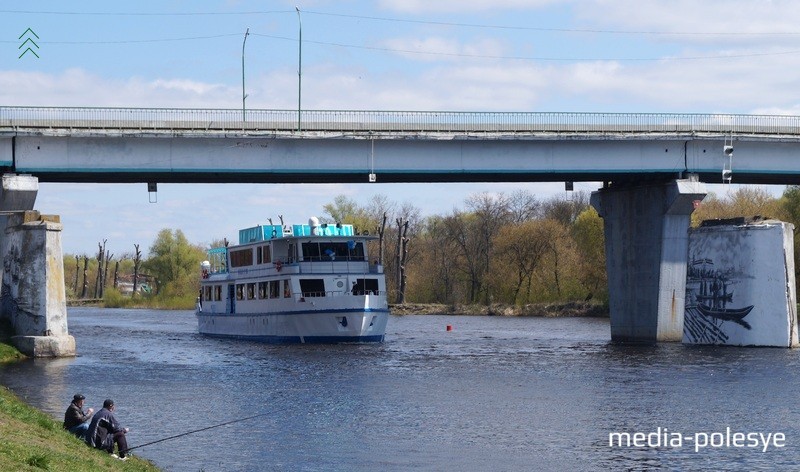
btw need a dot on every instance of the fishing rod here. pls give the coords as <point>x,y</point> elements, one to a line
<point>195,431</point>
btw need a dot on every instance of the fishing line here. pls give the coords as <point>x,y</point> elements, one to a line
<point>195,431</point>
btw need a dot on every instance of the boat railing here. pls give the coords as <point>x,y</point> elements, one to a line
<point>302,297</point>
<point>326,267</point>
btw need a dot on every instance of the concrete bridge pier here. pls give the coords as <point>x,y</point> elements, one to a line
<point>646,242</point>
<point>33,297</point>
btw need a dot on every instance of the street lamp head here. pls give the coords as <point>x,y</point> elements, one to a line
<point>297,8</point>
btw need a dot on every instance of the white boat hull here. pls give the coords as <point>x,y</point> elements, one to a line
<point>320,320</point>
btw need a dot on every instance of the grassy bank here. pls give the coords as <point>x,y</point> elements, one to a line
<point>30,440</point>
<point>534,309</point>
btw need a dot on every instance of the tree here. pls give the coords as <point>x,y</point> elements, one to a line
<point>587,231</point>
<point>137,263</point>
<point>565,210</point>
<point>85,273</point>
<point>101,254</point>
<point>174,263</point>
<point>521,247</point>
<point>742,202</point>
<point>401,258</point>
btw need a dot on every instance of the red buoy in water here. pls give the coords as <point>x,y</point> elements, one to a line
<point>449,327</point>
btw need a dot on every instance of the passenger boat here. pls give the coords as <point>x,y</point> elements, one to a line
<point>309,283</point>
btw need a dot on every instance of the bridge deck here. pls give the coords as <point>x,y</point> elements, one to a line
<point>198,145</point>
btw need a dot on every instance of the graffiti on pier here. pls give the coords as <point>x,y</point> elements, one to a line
<point>710,303</point>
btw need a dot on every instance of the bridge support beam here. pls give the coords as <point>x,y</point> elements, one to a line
<point>646,242</point>
<point>33,297</point>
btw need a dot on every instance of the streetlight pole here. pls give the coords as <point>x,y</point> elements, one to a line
<point>244,95</point>
<point>299,64</point>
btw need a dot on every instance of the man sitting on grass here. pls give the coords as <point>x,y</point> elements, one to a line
<point>75,420</point>
<point>105,430</point>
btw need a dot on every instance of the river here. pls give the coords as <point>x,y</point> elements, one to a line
<point>495,393</point>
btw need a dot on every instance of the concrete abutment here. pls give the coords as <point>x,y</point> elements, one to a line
<point>33,297</point>
<point>646,242</point>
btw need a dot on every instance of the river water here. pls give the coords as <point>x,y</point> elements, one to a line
<point>499,394</point>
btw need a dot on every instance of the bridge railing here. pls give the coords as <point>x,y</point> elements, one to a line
<point>180,119</point>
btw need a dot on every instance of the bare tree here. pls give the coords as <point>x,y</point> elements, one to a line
<point>85,276</point>
<point>116,274</point>
<point>98,284</point>
<point>104,283</point>
<point>381,230</point>
<point>400,258</point>
<point>77,272</point>
<point>137,262</point>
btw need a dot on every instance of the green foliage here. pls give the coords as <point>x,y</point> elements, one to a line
<point>112,298</point>
<point>587,231</point>
<point>174,262</point>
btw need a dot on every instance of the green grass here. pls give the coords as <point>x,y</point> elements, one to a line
<point>32,441</point>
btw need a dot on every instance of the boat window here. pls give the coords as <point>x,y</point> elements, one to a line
<point>217,293</point>
<point>242,257</point>
<point>262,290</point>
<point>287,289</point>
<point>310,251</point>
<point>263,254</point>
<point>207,293</point>
<point>312,287</point>
<point>239,291</point>
<point>365,287</point>
<point>274,288</point>
<point>251,291</point>
<point>333,251</point>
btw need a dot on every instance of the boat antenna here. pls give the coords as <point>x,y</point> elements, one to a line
<point>195,431</point>
<point>281,217</point>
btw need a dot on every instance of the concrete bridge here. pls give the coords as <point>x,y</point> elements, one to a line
<point>188,145</point>
<point>653,167</point>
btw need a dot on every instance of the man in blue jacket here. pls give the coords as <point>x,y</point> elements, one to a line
<point>105,430</point>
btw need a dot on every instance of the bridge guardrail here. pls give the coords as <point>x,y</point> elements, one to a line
<point>179,120</point>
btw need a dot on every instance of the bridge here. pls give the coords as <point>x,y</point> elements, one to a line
<point>652,166</point>
<point>274,146</point>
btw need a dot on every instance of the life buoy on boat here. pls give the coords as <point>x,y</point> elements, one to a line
<point>278,266</point>
<point>205,273</point>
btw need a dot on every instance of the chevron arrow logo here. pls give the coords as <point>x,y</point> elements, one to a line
<point>29,34</point>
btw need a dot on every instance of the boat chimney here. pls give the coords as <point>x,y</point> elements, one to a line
<point>313,223</point>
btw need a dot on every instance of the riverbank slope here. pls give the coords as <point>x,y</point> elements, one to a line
<point>30,440</point>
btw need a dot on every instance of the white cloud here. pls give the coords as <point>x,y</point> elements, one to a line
<point>77,87</point>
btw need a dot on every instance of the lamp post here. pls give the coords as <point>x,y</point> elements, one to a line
<point>299,64</point>
<point>244,95</point>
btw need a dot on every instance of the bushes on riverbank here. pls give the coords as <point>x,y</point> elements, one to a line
<point>114,299</point>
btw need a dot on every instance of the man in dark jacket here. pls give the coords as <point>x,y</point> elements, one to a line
<point>75,420</point>
<point>105,430</point>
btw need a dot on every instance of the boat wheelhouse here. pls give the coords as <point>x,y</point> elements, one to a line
<point>304,283</point>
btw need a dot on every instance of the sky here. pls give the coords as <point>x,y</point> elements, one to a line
<point>649,56</point>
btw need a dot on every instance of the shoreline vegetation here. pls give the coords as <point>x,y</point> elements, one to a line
<point>31,440</point>
<point>544,310</point>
